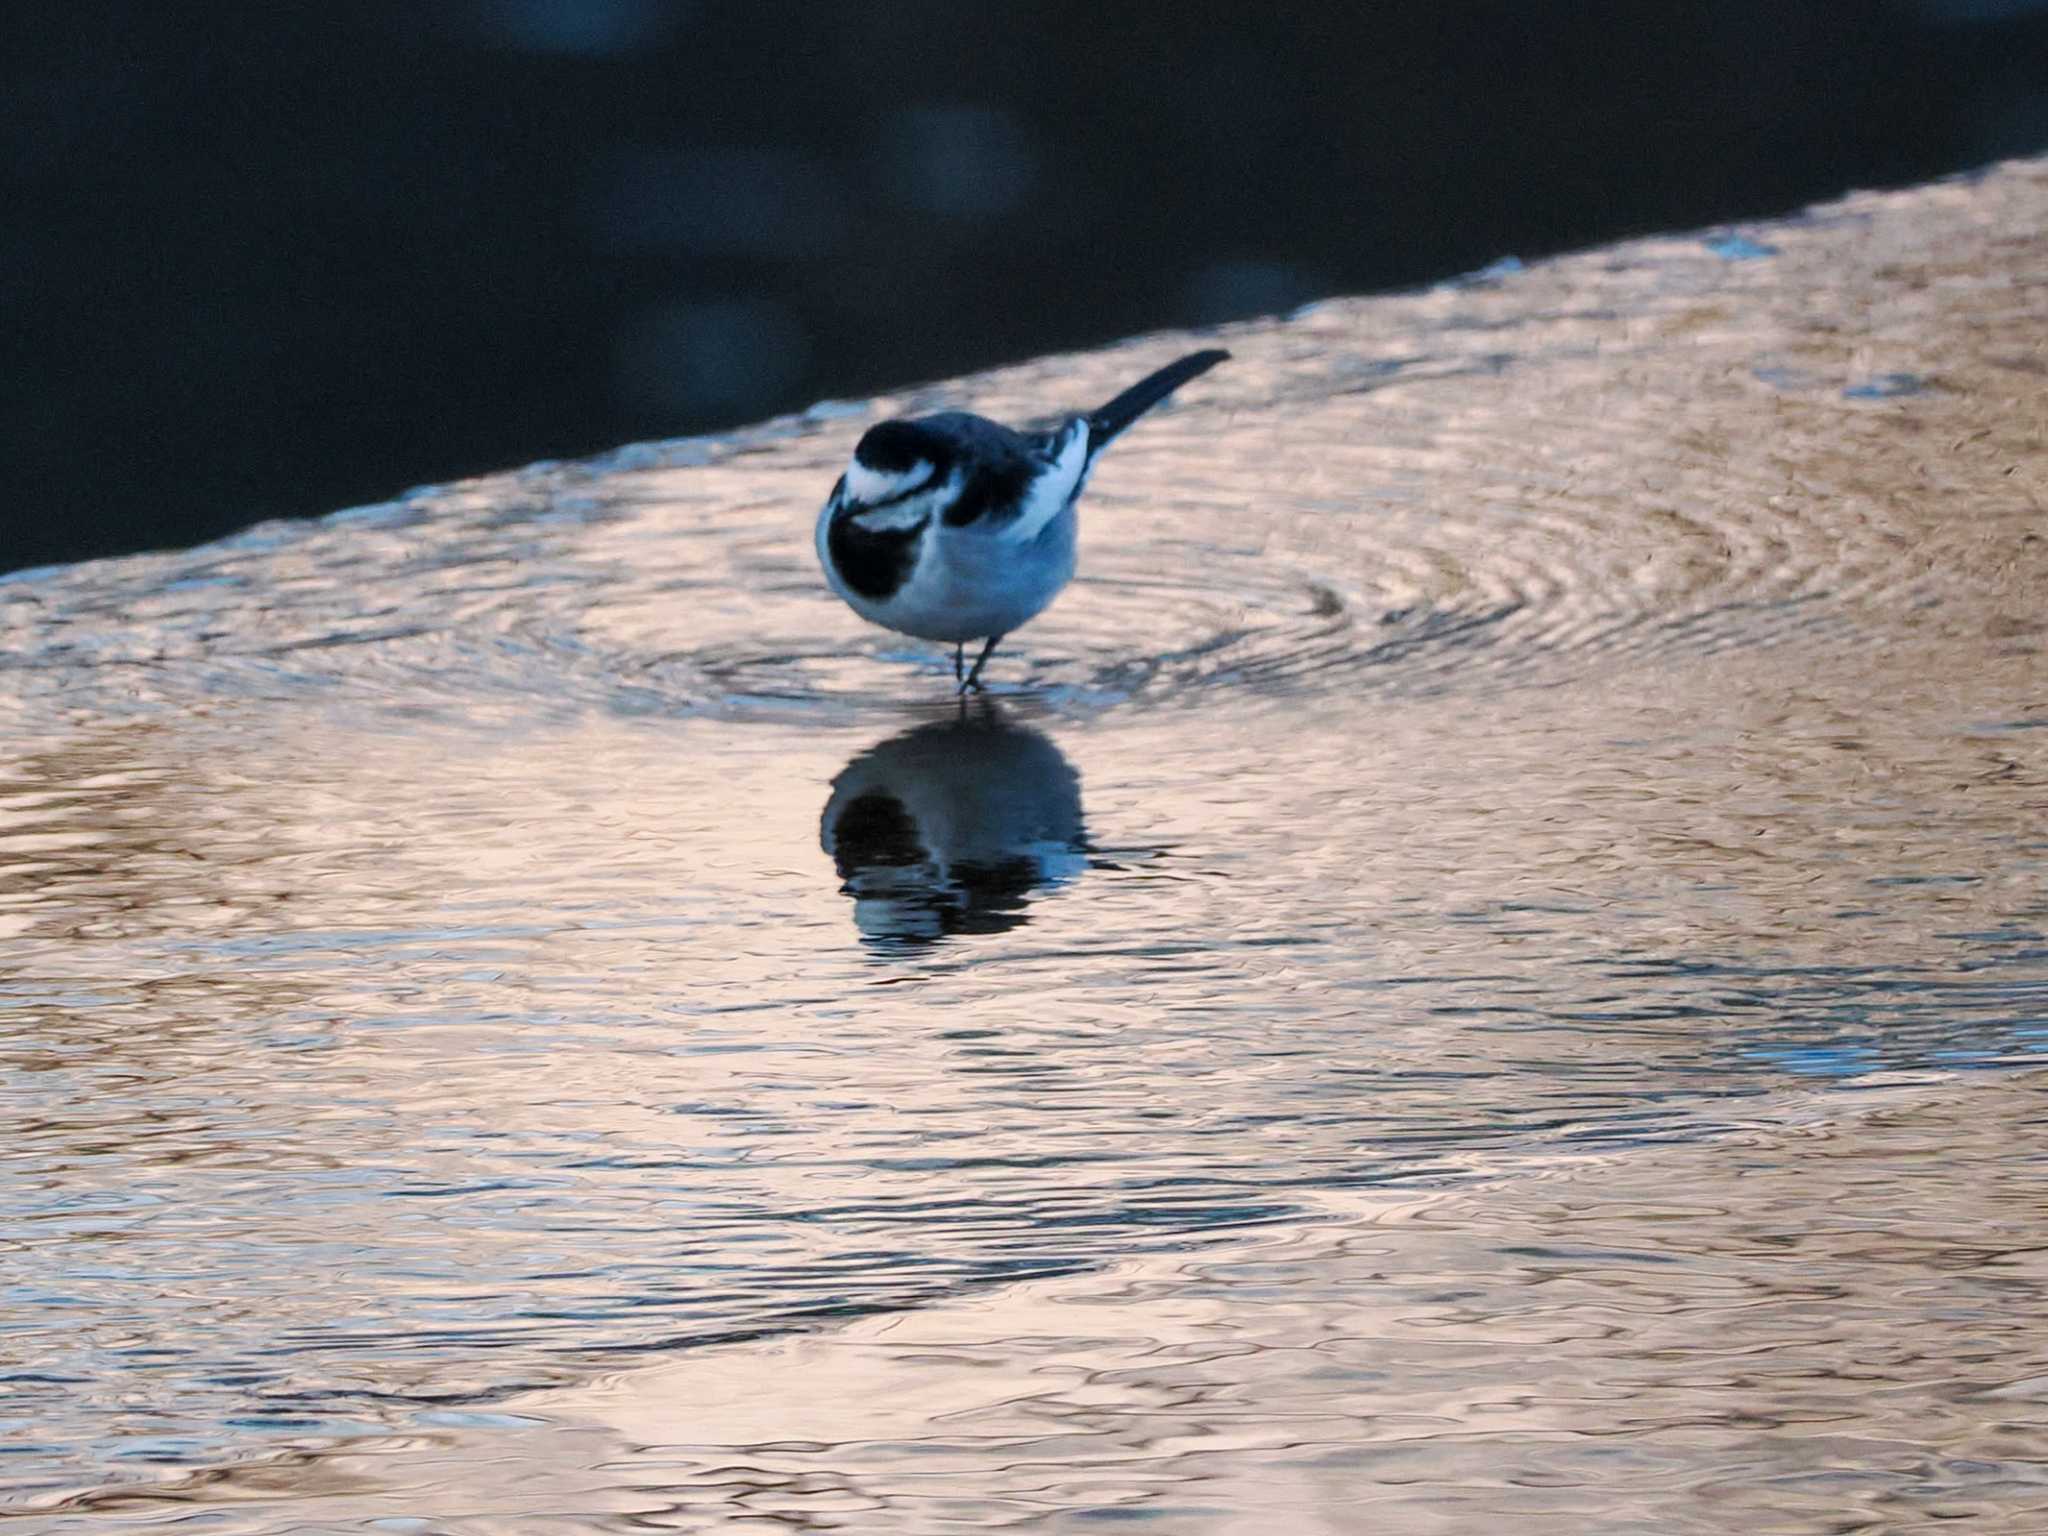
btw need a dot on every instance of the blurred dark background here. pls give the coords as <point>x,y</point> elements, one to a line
<point>264,259</point>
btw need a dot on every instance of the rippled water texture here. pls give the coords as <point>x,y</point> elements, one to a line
<point>1483,969</point>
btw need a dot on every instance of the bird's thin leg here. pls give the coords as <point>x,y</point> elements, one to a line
<point>959,659</point>
<point>973,682</point>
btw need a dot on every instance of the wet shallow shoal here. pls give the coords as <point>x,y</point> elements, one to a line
<point>1832,1322</point>
<point>1487,962</point>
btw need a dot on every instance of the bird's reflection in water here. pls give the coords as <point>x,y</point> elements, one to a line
<point>951,827</point>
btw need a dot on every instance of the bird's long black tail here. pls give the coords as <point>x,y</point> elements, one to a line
<point>1105,422</point>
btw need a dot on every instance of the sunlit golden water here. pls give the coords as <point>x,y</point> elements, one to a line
<point>1484,967</point>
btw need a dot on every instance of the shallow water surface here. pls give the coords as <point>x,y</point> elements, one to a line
<point>1485,963</point>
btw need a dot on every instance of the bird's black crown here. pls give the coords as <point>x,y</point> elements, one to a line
<point>891,447</point>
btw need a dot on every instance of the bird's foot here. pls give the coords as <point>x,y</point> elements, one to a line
<point>973,682</point>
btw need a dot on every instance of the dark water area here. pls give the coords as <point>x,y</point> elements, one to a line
<point>269,260</point>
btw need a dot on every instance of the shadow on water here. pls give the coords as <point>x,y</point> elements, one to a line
<point>952,827</point>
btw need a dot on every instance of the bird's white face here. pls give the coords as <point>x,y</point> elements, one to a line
<point>871,487</point>
<point>882,499</point>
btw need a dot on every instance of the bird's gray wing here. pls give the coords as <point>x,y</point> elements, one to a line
<point>1011,483</point>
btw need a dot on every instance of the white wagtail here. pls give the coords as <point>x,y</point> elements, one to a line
<point>951,527</point>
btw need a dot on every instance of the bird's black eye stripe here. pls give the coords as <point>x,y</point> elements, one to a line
<point>862,508</point>
<point>927,483</point>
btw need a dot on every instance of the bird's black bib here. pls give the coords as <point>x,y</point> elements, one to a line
<point>873,561</point>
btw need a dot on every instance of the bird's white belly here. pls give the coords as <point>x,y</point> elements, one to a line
<point>968,585</point>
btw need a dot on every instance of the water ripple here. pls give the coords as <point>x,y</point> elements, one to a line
<point>466,949</point>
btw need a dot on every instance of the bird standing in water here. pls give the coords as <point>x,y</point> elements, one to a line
<point>953,527</point>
